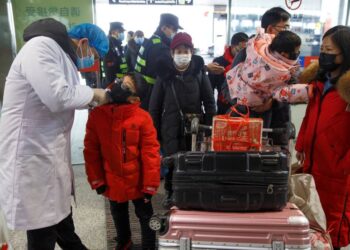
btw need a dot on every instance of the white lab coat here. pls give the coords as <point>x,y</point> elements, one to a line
<point>41,93</point>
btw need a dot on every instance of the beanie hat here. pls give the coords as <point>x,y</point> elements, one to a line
<point>181,38</point>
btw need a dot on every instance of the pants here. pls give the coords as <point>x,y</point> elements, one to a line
<point>144,211</point>
<point>62,233</point>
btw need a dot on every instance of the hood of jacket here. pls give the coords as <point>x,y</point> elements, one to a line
<point>343,83</point>
<point>168,71</point>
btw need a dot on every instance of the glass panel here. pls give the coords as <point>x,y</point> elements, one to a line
<point>5,47</point>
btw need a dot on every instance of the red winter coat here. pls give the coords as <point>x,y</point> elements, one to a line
<point>122,152</point>
<point>324,137</point>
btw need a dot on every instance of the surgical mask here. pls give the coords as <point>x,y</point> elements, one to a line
<point>182,60</point>
<point>139,40</point>
<point>172,36</point>
<point>86,61</point>
<point>326,62</point>
<point>121,37</point>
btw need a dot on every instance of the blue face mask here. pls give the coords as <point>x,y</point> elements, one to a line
<point>85,62</point>
<point>121,37</point>
<point>139,40</point>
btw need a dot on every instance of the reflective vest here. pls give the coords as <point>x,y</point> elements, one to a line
<point>141,61</point>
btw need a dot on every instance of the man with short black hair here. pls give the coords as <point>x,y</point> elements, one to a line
<point>238,41</point>
<point>273,21</point>
<point>151,51</point>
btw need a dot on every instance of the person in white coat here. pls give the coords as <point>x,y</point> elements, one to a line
<point>41,93</point>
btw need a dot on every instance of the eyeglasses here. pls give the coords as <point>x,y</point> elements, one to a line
<point>282,27</point>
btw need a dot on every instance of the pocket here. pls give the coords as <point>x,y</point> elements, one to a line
<point>35,183</point>
<point>38,137</point>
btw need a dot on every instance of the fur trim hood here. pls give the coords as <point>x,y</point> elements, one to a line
<point>342,85</point>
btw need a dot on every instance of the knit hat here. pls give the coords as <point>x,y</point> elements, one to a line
<point>181,38</point>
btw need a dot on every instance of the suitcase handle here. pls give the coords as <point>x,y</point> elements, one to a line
<point>270,162</point>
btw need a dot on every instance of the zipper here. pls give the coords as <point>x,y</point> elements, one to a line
<point>124,145</point>
<point>343,217</point>
<point>315,131</point>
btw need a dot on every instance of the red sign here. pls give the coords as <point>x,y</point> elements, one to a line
<point>293,4</point>
<point>310,59</point>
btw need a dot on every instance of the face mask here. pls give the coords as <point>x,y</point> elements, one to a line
<point>326,62</point>
<point>121,37</point>
<point>139,40</point>
<point>172,36</point>
<point>294,56</point>
<point>119,94</point>
<point>182,60</point>
<point>87,61</point>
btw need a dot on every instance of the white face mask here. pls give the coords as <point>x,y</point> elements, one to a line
<point>182,60</point>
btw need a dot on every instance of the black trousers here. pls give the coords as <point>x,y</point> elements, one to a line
<point>144,212</point>
<point>63,233</point>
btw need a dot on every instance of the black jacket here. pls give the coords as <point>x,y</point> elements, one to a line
<point>113,61</point>
<point>152,52</point>
<point>131,52</point>
<point>193,91</point>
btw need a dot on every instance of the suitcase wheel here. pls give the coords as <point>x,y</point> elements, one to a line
<point>155,223</point>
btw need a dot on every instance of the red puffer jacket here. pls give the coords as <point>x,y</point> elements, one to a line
<point>122,152</point>
<point>324,137</point>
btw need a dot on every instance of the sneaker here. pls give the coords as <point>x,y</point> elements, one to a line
<point>125,246</point>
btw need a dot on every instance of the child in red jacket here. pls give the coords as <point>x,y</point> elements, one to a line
<point>122,159</point>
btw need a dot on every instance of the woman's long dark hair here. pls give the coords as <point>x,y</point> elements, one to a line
<point>340,36</point>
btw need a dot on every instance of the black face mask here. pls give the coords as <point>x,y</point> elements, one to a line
<point>119,95</point>
<point>294,55</point>
<point>326,62</point>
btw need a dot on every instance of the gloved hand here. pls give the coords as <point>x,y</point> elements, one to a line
<point>101,189</point>
<point>147,197</point>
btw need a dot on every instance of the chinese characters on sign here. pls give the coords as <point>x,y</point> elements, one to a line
<point>52,11</point>
<point>161,2</point>
<point>67,12</point>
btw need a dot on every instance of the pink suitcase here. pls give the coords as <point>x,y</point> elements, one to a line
<point>184,230</point>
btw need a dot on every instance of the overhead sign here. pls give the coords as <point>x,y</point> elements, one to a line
<point>153,2</point>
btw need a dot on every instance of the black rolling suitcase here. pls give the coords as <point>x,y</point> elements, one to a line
<point>230,181</point>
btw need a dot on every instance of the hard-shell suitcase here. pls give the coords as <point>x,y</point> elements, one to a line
<point>230,181</point>
<point>184,230</point>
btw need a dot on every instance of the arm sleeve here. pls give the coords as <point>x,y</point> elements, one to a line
<point>150,157</point>
<point>92,154</point>
<point>239,58</point>
<point>42,67</point>
<point>294,93</point>
<point>216,80</point>
<point>208,100</point>
<point>156,105</point>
